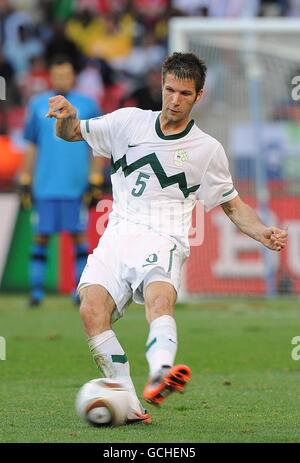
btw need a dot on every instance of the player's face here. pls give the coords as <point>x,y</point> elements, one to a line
<point>179,97</point>
<point>62,77</point>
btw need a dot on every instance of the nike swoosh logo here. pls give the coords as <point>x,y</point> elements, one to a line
<point>131,146</point>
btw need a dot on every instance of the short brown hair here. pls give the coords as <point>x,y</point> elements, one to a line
<point>185,66</point>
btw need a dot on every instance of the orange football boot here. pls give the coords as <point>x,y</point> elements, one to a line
<point>169,379</point>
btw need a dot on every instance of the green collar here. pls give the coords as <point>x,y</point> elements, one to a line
<point>174,136</point>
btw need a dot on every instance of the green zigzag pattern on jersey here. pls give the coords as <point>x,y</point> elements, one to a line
<point>157,168</point>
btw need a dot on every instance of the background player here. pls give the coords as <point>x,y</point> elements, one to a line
<point>161,162</point>
<point>56,175</point>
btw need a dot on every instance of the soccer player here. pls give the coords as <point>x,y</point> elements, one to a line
<point>161,162</point>
<point>55,176</point>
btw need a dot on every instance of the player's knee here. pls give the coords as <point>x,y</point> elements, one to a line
<point>91,309</point>
<point>94,313</point>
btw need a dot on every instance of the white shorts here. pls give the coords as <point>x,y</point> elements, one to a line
<point>126,265</point>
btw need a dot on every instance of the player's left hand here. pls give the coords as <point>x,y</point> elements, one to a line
<point>274,238</point>
<point>93,193</point>
<point>24,190</point>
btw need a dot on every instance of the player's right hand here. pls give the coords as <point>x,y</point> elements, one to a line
<point>60,108</point>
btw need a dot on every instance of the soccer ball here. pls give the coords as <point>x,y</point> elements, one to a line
<point>103,402</point>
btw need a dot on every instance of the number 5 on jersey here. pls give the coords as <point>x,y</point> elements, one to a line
<point>141,184</point>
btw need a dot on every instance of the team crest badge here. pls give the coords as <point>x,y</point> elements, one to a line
<point>180,157</point>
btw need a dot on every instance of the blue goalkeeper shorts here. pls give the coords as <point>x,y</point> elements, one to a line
<point>56,215</point>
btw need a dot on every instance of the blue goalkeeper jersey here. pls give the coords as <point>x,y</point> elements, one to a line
<point>62,167</point>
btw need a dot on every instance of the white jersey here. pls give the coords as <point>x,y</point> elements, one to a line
<point>157,178</point>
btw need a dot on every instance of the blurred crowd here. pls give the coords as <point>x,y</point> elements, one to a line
<point>116,46</point>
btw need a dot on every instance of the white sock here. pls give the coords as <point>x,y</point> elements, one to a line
<point>112,362</point>
<point>161,343</point>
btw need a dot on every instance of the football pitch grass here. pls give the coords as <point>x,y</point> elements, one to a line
<point>244,386</point>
